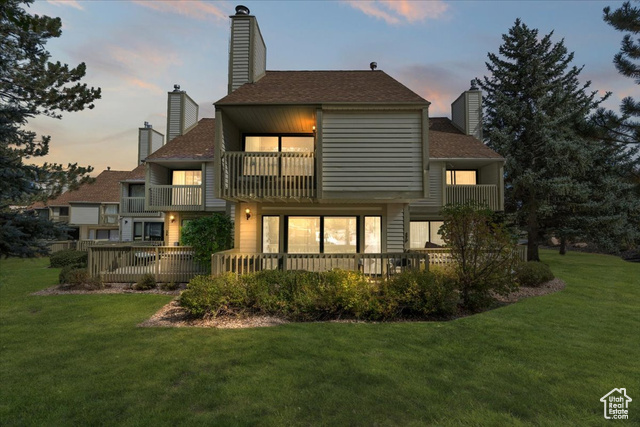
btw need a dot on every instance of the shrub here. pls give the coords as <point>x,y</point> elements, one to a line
<point>71,277</point>
<point>208,235</point>
<point>419,294</point>
<point>207,295</point>
<point>172,286</point>
<point>483,251</point>
<point>68,257</point>
<point>146,282</point>
<point>533,273</point>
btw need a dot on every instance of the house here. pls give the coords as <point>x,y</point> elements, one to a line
<point>338,162</point>
<point>92,210</point>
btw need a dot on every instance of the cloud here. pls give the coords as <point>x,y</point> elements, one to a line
<point>438,84</point>
<point>134,81</point>
<point>195,9</point>
<point>395,12</point>
<point>71,3</point>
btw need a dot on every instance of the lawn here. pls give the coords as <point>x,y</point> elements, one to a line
<point>80,359</point>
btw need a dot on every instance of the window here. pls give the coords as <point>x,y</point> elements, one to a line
<point>148,231</point>
<point>276,165</point>
<point>425,231</point>
<point>462,177</point>
<point>321,234</point>
<point>64,211</point>
<point>187,178</point>
<point>136,190</point>
<point>372,235</point>
<point>271,234</point>
<point>340,235</point>
<point>303,235</point>
<point>105,234</point>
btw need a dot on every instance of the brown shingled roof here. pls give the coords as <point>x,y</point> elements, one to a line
<point>195,144</point>
<point>105,189</point>
<point>138,174</point>
<point>447,142</point>
<point>315,87</point>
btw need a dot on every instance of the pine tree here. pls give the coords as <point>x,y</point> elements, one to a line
<point>31,85</point>
<point>533,108</point>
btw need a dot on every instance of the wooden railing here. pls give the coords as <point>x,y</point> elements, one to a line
<point>484,194</point>
<point>259,176</point>
<point>108,219</point>
<point>84,245</point>
<point>442,256</point>
<point>61,245</point>
<point>175,197</point>
<point>135,205</point>
<point>60,218</point>
<point>372,265</point>
<point>127,264</point>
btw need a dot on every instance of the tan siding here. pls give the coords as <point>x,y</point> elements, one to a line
<point>435,187</point>
<point>143,144</point>
<point>126,230</point>
<point>210,200</point>
<point>159,175</point>
<point>173,228</point>
<point>395,227</point>
<point>240,45</point>
<point>248,229</point>
<point>474,123</point>
<point>173,119</point>
<point>458,113</point>
<point>190,113</point>
<point>490,174</point>
<point>259,53</point>
<point>84,214</point>
<point>157,141</point>
<point>367,151</point>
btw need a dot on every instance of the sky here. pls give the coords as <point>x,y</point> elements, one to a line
<point>137,50</point>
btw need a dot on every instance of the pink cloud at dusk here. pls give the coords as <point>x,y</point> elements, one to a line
<point>138,83</point>
<point>70,3</point>
<point>399,11</point>
<point>195,9</point>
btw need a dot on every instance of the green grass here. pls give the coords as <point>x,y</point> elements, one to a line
<point>81,360</point>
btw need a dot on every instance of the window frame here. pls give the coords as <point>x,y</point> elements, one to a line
<point>284,245</point>
<point>459,170</point>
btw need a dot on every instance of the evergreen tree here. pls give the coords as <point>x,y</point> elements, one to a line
<point>31,85</point>
<point>534,106</point>
<point>624,128</point>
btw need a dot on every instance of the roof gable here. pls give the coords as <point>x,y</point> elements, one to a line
<point>194,145</point>
<point>448,142</point>
<point>105,189</point>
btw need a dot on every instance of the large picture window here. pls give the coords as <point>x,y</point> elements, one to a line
<point>271,234</point>
<point>462,177</point>
<point>423,232</point>
<point>279,165</point>
<point>303,235</point>
<point>340,235</point>
<point>187,177</point>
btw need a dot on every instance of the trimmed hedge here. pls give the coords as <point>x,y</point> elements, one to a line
<point>69,257</point>
<point>307,296</point>
<point>533,274</point>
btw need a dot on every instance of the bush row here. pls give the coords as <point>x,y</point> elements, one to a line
<point>533,274</point>
<point>68,257</point>
<point>305,296</point>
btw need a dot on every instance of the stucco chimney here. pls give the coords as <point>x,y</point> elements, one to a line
<point>182,113</point>
<point>149,140</point>
<point>466,112</point>
<point>247,51</point>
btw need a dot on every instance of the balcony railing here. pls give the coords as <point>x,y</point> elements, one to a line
<point>135,205</point>
<point>109,219</point>
<point>175,197</point>
<point>484,194</point>
<point>60,218</point>
<point>260,176</point>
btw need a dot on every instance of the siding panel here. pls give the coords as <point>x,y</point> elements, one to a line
<point>143,144</point>
<point>210,200</point>
<point>395,228</point>
<point>435,187</point>
<point>157,141</point>
<point>84,215</point>
<point>378,151</point>
<point>240,47</point>
<point>190,113</point>
<point>173,120</point>
<point>259,53</point>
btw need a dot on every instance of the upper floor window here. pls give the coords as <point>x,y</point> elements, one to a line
<point>187,178</point>
<point>279,165</point>
<point>136,190</point>
<point>462,177</point>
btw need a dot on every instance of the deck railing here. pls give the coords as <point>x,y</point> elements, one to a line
<point>84,245</point>
<point>485,194</point>
<point>372,265</point>
<point>442,256</point>
<point>60,218</point>
<point>175,197</point>
<point>134,205</point>
<point>127,264</point>
<point>279,175</point>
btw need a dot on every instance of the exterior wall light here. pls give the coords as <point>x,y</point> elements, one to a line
<point>248,213</point>
<point>172,218</point>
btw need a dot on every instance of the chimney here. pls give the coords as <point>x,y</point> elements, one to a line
<point>149,140</point>
<point>247,51</point>
<point>182,113</point>
<point>466,112</point>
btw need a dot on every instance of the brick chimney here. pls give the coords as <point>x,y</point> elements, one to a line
<point>182,113</point>
<point>247,51</point>
<point>466,112</point>
<point>149,140</point>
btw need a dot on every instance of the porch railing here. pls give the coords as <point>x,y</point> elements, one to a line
<point>84,245</point>
<point>279,175</point>
<point>372,265</point>
<point>485,194</point>
<point>175,197</point>
<point>442,256</point>
<point>134,205</point>
<point>127,264</point>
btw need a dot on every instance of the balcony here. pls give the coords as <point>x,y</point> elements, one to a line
<point>108,219</point>
<point>275,176</point>
<point>175,197</point>
<point>484,194</point>
<point>60,218</point>
<point>135,206</point>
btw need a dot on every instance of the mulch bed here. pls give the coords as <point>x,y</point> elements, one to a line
<point>174,316</point>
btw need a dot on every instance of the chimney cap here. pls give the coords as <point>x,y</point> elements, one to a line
<point>148,125</point>
<point>242,10</point>
<point>474,85</point>
<point>176,88</point>
<point>373,66</point>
